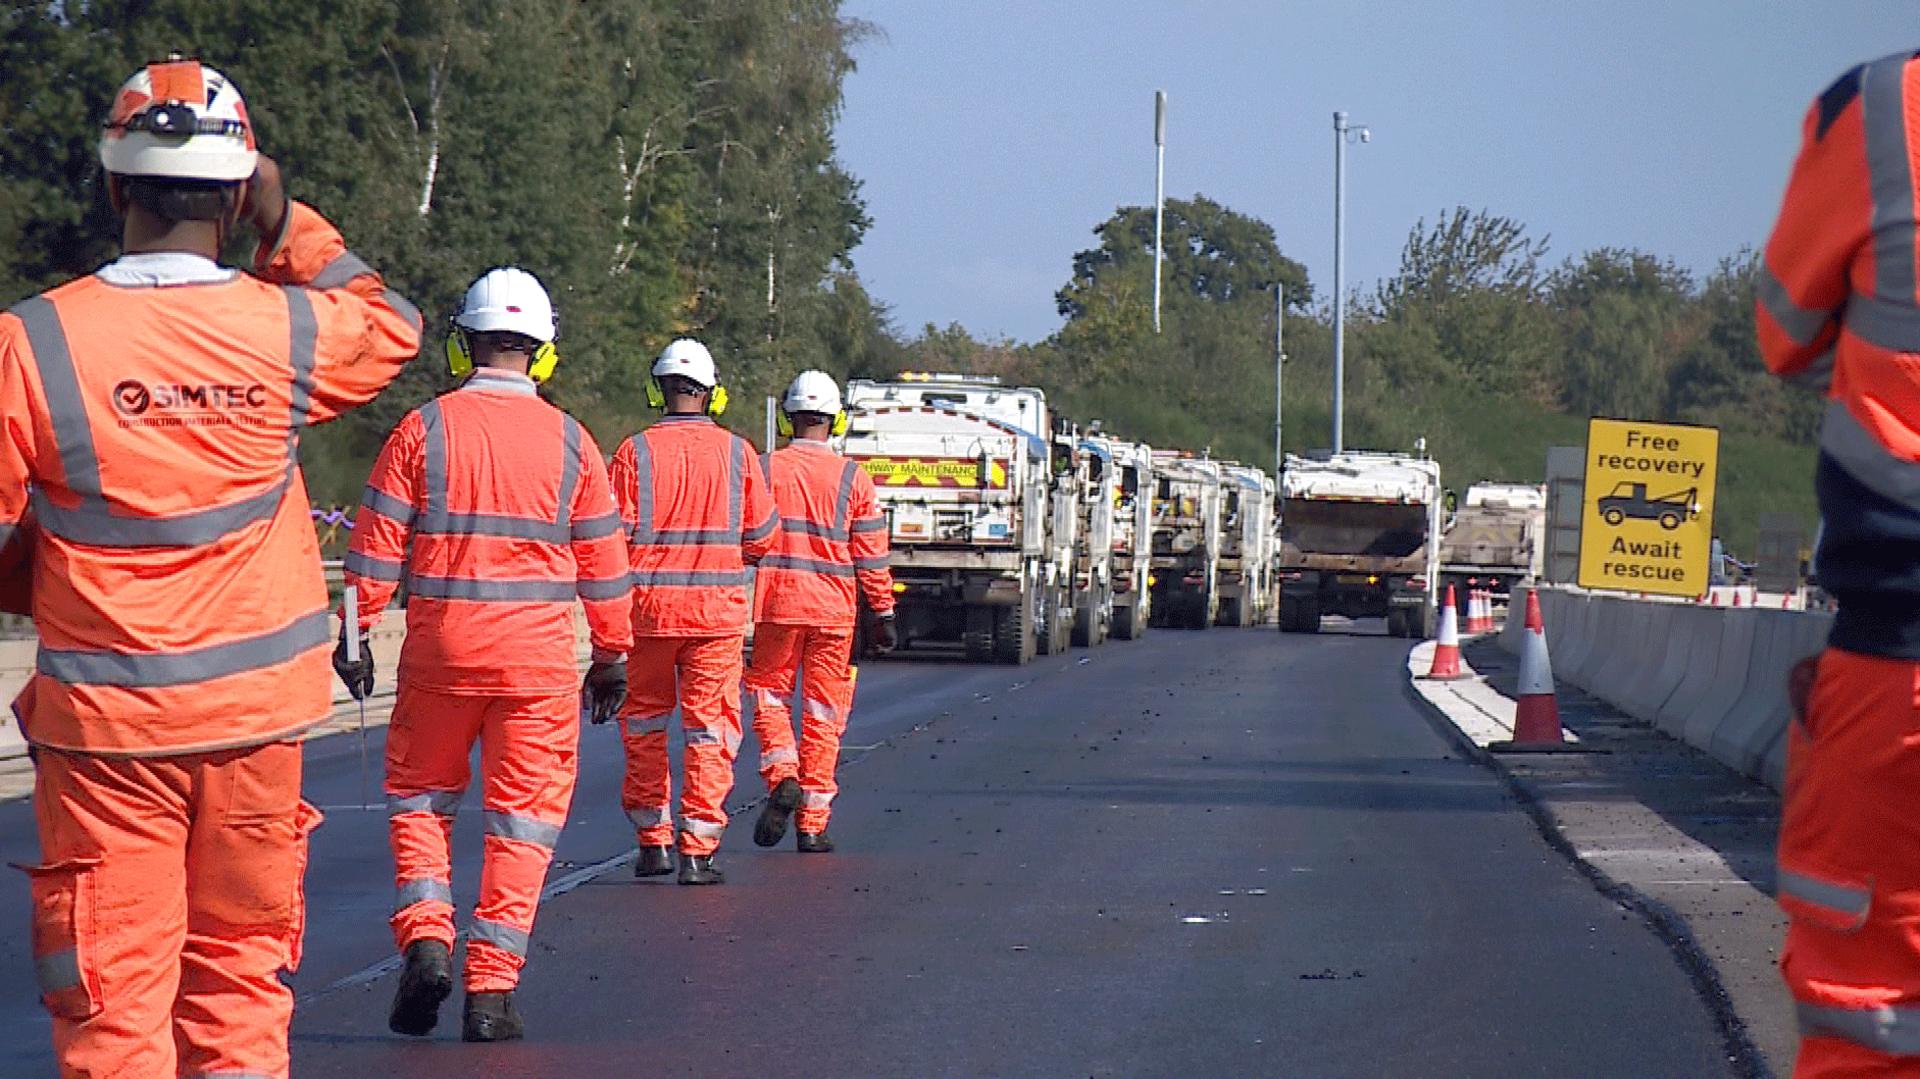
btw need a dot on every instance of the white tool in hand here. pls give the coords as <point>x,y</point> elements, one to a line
<point>351,628</point>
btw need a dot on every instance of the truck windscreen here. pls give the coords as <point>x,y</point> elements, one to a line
<point>1353,528</point>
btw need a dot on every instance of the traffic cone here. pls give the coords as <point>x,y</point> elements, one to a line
<point>1482,612</point>
<point>1446,648</point>
<point>1536,716</point>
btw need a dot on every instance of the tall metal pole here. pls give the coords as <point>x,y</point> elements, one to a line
<point>1339,278</point>
<point>1279,363</point>
<point>1159,192</point>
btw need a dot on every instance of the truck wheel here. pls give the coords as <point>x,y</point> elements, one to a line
<point>1397,623</point>
<point>1197,614</point>
<point>1123,623</point>
<point>1013,632</point>
<point>1084,628</point>
<point>1049,619</point>
<point>977,638</point>
<point>1229,613</point>
<point>1310,617</point>
<point>1613,517</point>
<point>1060,626</point>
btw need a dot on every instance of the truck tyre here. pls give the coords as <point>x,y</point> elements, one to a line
<point>1397,623</point>
<point>1049,618</point>
<point>1420,625</point>
<point>1310,617</point>
<point>1123,623</point>
<point>1059,631</point>
<point>977,638</point>
<point>1085,626</point>
<point>1197,613</point>
<point>1013,632</point>
<point>1229,613</point>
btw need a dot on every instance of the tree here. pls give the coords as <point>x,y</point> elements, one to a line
<point>1212,253</point>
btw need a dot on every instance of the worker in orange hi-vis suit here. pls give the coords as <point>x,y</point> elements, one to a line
<point>1839,312</point>
<point>494,506</point>
<point>832,552</point>
<point>151,413</point>
<point>697,512</point>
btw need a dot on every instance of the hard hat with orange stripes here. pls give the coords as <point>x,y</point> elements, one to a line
<point>179,120</point>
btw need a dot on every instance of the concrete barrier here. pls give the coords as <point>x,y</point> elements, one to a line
<point>1660,661</point>
<point>1729,679</point>
<point>1697,638</point>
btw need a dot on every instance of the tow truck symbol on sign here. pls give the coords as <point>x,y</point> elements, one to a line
<point>1630,500</point>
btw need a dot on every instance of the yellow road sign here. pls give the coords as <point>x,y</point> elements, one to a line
<point>1647,522</point>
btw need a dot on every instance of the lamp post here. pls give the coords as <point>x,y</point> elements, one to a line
<point>1279,362</point>
<point>1159,192</point>
<point>1342,133</point>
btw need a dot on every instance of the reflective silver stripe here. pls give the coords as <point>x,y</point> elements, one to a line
<point>149,670</point>
<point>772,757</point>
<point>691,537</point>
<point>345,267</point>
<point>439,803</point>
<point>1890,325</point>
<point>94,523</point>
<point>67,413</point>
<point>504,937</point>
<point>403,307</point>
<point>384,504</point>
<point>806,565</point>
<point>734,738</point>
<point>433,439</point>
<point>1890,172</point>
<point>736,485</point>
<point>303,338</point>
<point>703,736</point>
<point>704,829</point>
<point>1890,1029</point>
<point>816,800</point>
<point>648,725</point>
<point>674,579</point>
<point>870,562</point>
<point>649,816</point>
<point>1854,449</point>
<point>57,971</point>
<point>376,569</point>
<point>569,471</point>
<point>642,488</point>
<point>522,829</point>
<point>491,591</point>
<point>492,524</point>
<point>804,527</point>
<point>588,588</point>
<point>1817,375</point>
<point>1802,324</point>
<point>870,524</point>
<point>227,1074</point>
<point>599,527</point>
<point>422,890</point>
<point>819,709</point>
<point>762,530</point>
<point>1852,902</point>
<point>6,534</point>
<point>843,500</point>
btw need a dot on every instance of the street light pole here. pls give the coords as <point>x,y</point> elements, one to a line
<point>1341,131</point>
<point>1279,363</point>
<point>1159,192</point>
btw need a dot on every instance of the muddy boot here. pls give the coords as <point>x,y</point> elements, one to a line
<point>653,862</point>
<point>424,983</point>
<point>813,843</point>
<point>771,828</point>
<point>491,1017</point>
<point>698,869</point>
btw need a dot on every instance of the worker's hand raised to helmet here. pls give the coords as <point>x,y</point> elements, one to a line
<point>603,690</point>
<point>265,206</point>
<point>355,674</point>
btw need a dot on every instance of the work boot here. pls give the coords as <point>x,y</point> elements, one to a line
<point>491,1017</point>
<point>698,869</point>
<point>813,843</point>
<point>653,862</point>
<point>771,828</point>
<point>425,982</point>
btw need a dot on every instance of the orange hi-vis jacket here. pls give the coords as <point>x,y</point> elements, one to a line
<point>511,518</point>
<point>697,512</point>
<point>176,576</point>
<point>1839,311</point>
<point>832,538</point>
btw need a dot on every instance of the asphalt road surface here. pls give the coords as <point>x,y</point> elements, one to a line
<point>1233,852</point>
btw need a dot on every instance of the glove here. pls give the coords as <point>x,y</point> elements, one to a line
<point>885,638</point>
<point>603,689</point>
<point>356,675</point>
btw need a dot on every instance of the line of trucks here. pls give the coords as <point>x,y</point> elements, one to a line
<point>1016,534</point>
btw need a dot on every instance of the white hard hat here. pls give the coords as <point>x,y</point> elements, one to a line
<point>181,120</point>
<point>508,300</point>
<point>812,391</point>
<point>689,359</point>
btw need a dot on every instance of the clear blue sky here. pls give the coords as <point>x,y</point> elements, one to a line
<point>993,136</point>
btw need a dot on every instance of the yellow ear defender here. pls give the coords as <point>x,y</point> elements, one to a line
<point>716,404</point>
<point>785,426</point>
<point>460,357</point>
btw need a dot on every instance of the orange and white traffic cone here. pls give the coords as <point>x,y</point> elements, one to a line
<point>1536,716</point>
<point>1482,612</point>
<point>1446,648</point>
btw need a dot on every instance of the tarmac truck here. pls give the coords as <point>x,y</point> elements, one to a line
<point>1496,538</point>
<point>1186,540</point>
<point>963,467</point>
<point>1132,534</point>
<point>1245,577</point>
<point>1094,491</point>
<point>1360,537</point>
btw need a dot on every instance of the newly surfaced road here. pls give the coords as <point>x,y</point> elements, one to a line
<point>1219,853</point>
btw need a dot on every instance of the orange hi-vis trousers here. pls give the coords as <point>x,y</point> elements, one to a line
<point>702,676</point>
<point>1849,868</point>
<point>167,902</point>
<point>826,700</point>
<point>529,754</point>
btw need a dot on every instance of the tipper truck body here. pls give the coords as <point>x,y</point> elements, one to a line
<point>1246,546</point>
<point>1495,538</point>
<point>1132,538</point>
<point>1186,540</point>
<point>1360,537</point>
